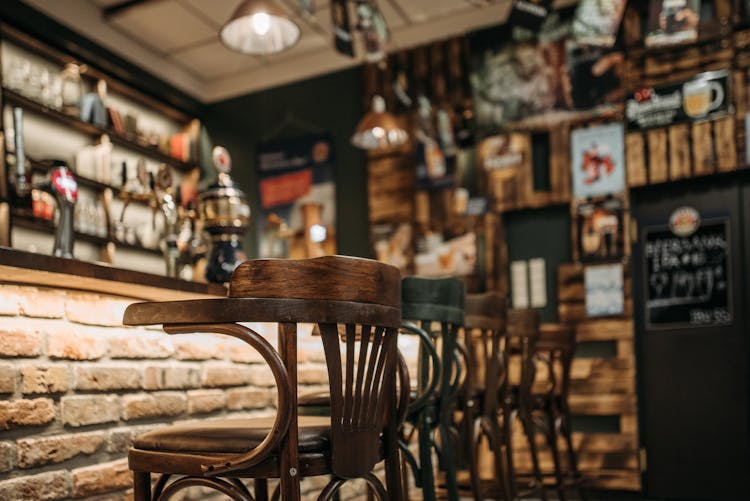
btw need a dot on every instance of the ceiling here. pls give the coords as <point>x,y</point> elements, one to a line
<point>177,40</point>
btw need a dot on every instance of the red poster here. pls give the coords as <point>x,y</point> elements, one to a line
<point>285,189</point>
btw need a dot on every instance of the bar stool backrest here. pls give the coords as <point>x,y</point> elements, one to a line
<point>557,342</point>
<point>355,302</point>
<point>523,335</point>
<point>485,323</point>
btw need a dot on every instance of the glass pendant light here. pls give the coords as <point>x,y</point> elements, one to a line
<point>259,27</point>
<point>379,129</point>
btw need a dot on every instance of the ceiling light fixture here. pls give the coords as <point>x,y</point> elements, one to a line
<point>259,27</point>
<point>379,129</point>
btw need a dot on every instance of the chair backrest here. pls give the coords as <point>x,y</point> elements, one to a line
<point>522,337</point>
<point>436,300</point>
<point>353,301</point>
<point>484,324</point>
<point>558,342</point>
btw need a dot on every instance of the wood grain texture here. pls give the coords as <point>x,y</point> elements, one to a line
<point>726,150</point>
<point>703,149</point>
<point>657,155</point>
<point>635,159</point>
<point>679,151</point>
<point>330,278</point>
<point>485,311</point>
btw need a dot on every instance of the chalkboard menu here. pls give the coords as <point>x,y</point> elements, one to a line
<point>687,277</point>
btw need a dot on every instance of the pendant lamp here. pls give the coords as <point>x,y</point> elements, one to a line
<point>378,129</point>
<point>259,27</point>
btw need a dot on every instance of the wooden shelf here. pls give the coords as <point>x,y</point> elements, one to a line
<point>41,166</point>
<point>92,130</point>
<point>45,226</point>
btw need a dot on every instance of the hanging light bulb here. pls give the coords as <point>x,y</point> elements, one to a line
<point>259,27</point>
<point>379,129</point>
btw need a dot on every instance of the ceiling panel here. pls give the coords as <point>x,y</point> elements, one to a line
<point>165,25</point>
<point>423,10</point>
<point>213,60</point>
<point>218,11</point>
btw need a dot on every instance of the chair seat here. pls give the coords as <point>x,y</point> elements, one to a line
<point>232,436</point>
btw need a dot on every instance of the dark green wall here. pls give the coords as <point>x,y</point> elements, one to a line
<point>330,103</point>
<point>541,233</point>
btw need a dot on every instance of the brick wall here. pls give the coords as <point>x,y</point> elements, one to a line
<point>76,386</point>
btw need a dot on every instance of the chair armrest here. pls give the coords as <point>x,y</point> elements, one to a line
<point>283,387</point>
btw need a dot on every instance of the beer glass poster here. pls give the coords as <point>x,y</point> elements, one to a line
<point>598,160</point>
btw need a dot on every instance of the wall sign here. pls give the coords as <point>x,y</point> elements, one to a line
<point>706,95</point>
<point>604,290</point>
<point>687,282</point>
<point>597,160</point>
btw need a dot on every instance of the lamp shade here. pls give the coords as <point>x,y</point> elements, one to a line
<point>379,129</point>
<point>259,27</point>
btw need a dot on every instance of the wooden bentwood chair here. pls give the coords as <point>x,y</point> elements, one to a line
<point>483,402</point>
<point>356,303</point>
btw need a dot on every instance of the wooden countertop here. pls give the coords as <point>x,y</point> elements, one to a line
<point>21,267</point>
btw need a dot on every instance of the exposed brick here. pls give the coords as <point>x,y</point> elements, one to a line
<point>82,410</point>
<point>43,487</point>
<point>249,398</point>
<point>7,378</point>
<point>260,375</point>
<point>199,347</point>
<point>7,454</point>
<point>311,350</point>
<point>9,304</point>
<point>42,303</point>
<point>227,375</point>
<point>26,412</point>
<point>243,353</point>
<point>120,439</point>
<point>202,401</point>
<point>171,377</point>
<point>76,343</point>
<point>44,378</point>
<point>101,478</point>
<point>33,452</point>
<point>107,377</point>
<point>147,405</point>
<point>94,309</point>
<point>312,374</point>
<point>20,338</point>
<point>139,343</point>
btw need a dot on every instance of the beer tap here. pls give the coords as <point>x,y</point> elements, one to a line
<point>62,185</point>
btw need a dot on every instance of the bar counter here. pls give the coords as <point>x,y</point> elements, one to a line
<point>76,385</point>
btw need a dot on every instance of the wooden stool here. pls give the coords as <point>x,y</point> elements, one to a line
<point>483,402</point>
<point>435,301</point>
<point>356,303</point>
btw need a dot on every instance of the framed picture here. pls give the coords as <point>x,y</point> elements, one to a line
<point>672,21</point>
<point>598,160</point>
<point>599,227</point>
<point>597,22</point>
<point>604,290</point>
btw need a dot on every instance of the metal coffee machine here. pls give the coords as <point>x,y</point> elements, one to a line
<point>225,214</point>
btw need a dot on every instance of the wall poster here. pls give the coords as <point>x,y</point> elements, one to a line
<point>600,230</point>
<point>297,190</point>
<point>598,160</point>
<point>687,276</point>
<point>604,290</point>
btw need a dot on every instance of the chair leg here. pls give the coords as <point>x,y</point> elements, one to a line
<point>502,469</point>
<point>572,456</point>
<point>507,442</point>
<point>472,437</point>
<point>554,449</point>
<point>427,478</point>
<point>261,489</point>
<point>449,459</point>
<point>528,427</point>
<point>141,486</point>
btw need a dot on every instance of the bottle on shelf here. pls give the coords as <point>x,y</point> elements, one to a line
<point>21,202</point>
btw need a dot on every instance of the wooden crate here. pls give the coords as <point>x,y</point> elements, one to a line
<point>602,386</point>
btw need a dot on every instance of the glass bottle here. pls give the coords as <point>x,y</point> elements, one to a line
<point>71,88</point>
